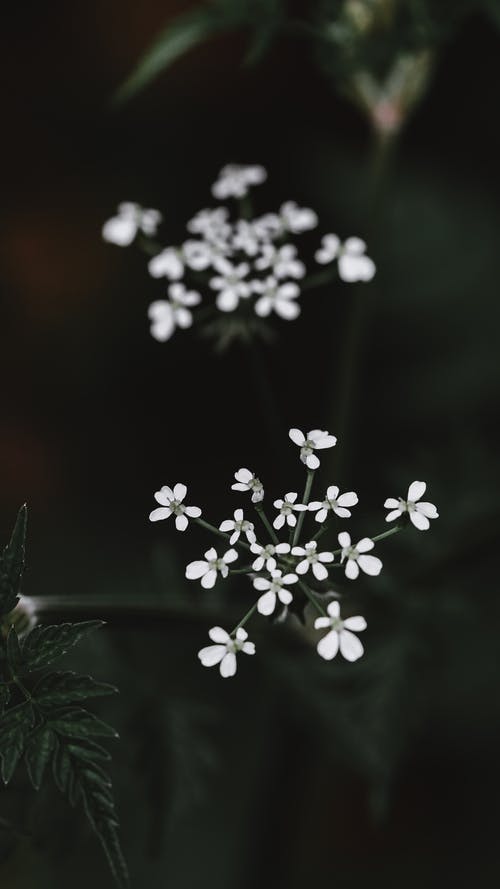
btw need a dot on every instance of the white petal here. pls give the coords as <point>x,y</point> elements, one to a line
<point>321,622</point>
<point>208,579</point>
<point>227,300</point>
<point>164,495</point>
<point>287,310</point>
<point>348,499</point>
<point>226,525</point>
<point>248,647</point>
<point>428,509</point>
<point>391,503</point>
<point>319,571</point>
<point>279,521</point>
<point>298,551</point>
<point>321,515</point>
<point>181,522</point>
<point>297,436</point>
<point>333,609</point>
<point>183,317</point>
<point>228,665</point>
<point>282,548</point>
<point>230,556</point>
<point>416,491</point>
<point>364,545</point>
<point>244,475</point>
<point>285,596</point>
<point>261,583</point>
<point>356,623</point>
<point>158,514</point>
<point>351,569</point>
<point>212,655</point>
<point>302,567</point>
<point>266,603</point>
<point>342,513</point>
<point>290,578</point>
<point>217,634</point>
<point>332,492</point>
<point>241,634</point>
<point>420,521</point>
<point>120,231</point>
<point>180,491</point>
<point>326,557</point>
<point>258,564</point>
<point>291,520</point>
<point>312,461</point>
<point>196,569</point>
<point>234,537</point>
<point>370,565</point>
<point>211,554</point>
<point>350,646</point>
<point>344,538</point>
<point>194,512</point>
<point>394,514</point>
<point>329,645</point>
<point>326,441</point>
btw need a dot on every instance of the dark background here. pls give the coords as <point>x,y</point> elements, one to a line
<point>297,771</point>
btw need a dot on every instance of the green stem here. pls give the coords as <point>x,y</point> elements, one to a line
<point>377,537</point>
<point>244,570</point>
<point>312,598</point>
<point>266,522</point>
<point>324,277</point>
<point>244,619</point>
<point>305,501</point>
<point>219,533</point>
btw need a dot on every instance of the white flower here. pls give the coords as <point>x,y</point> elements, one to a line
<point>238,526</point>
<point>419,511</point>
<point>286,509</point>
<point>247,481</point>
<point>166,315</point>
<point>334,503</point>
<point>167,264</point>
<point>268,226</point>
<point>198,255</point>
<point>282,260</point>
<point>212,224</point>
<point>353,263</point>
<point>274,588</point>
<point>130,219</point>
<point>230,283</point>
<point>313,559</point>
<point>316,440</point>
<point>265,555</point>
<point>208,569</point>
<point>279,298</point>
<point>297,219</point>
<point>234,180</point>
<point>356,557</point>
<point>329,250</point>
<point>171,504</point>
<point>226,649</point>
<point>340,635</point>
<point>245,238</point>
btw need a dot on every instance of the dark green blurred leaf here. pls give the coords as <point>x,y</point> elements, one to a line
<point>12,564</point>
<point>14,728</point>
<point>77,723</point>
<point>65,688</point>
<point>14,655</point>
<point>44,645</point>
<point>39,747</point>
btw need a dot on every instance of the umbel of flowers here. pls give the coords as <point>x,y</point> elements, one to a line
<point>232,261</point>
<point>285,556</point>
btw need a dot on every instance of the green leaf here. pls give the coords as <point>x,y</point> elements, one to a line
<point>44,645</point>
<point>75,722</point>
<point>176,39</point>
<point>39,747</point>
<point>65,688</point>
<point>4,695</point>
<point>15,726</point>
<point>79,775</point>
<point>12,564</point>
<point>14,656</point>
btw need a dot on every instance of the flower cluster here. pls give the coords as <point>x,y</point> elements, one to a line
<point>247,263</point>
<point>288,574</point>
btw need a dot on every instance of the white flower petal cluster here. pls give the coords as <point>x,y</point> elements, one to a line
<point>266,555</point>
<point>231,283</point>
<point>315,440</point>
<point>238,525</point>
<point>225,650</point>
<point>418,510</point>
<point>171,503</point>
<point>282,261</point>
<point>212,565</point>
<point>274,588</point>
<point>168,314</point>
<point>355,556</point>
<point>247,481</point>
<point>286,508</point>
<point>340,634</point>
<point>312,559</point>
<point>278,298</point>
<point>353,263</point>
<point>234,180</point>
<point>333,502</point>
<point>130,219</point>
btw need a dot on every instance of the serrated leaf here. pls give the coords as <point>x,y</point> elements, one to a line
<point>65,688</point>
<point>13,650</point>
<point>44,645</point>
<point>12,564</point>
<point>78,723</point>
<point>15,726</point>
<point>78,776</point>
<point>39,747</point>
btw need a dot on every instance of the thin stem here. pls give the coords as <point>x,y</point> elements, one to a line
<point>324,527</point>
<point>244,619</point>
<point>318,280</point>
<point>305,500</point>
<point>244,570</point>
<point>219,533</point>
<point>382,536</point>
<point>267,523</point>
<point>312,598</point>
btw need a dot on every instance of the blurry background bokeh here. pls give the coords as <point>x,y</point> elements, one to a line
<point>296,771</point>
